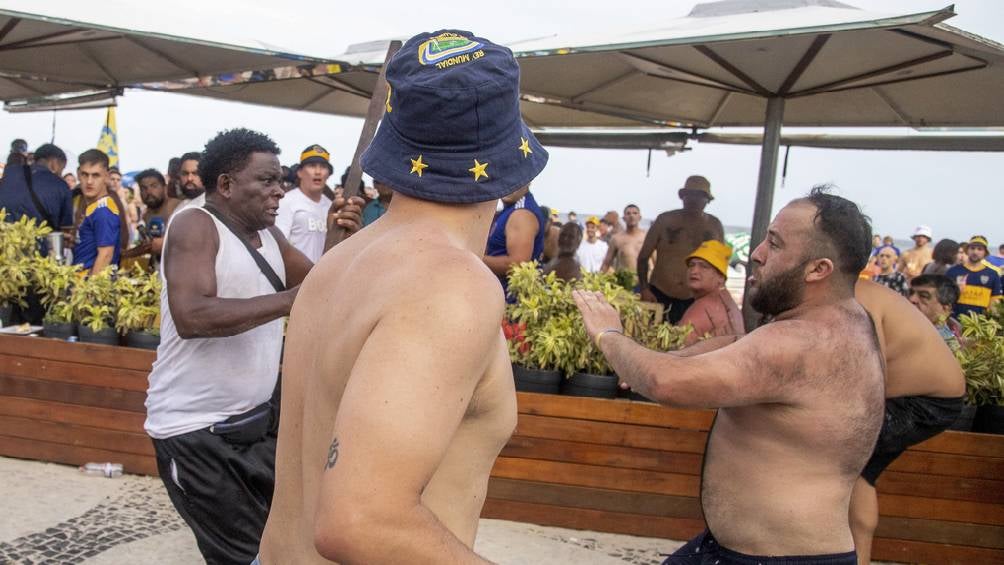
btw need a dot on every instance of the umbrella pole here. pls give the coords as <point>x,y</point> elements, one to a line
<point>764,194</point>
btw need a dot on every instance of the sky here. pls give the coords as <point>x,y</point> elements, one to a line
<point>957,194</point>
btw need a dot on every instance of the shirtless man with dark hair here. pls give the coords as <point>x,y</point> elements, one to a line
<point>624,246</point>
<point>389,432</point>
<point>800,399</point>
<point>924,387</point>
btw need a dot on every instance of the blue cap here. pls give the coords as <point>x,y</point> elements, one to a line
<point>452,130</point>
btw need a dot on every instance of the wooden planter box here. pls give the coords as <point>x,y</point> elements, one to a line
<point>603,465</point>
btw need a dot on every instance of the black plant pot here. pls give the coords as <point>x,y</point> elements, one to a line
<point>536,380</point>
<point>142,340</point>
<point>6,315</point>
<point>964,423</point>
<point>989,420</point>
<point>107,336</point>
<point>59,331</point>
<point>585,384</point>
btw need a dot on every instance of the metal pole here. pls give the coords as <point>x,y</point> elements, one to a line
<point>764,193</point>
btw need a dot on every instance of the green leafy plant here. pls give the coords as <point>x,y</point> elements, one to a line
<point>982,358</point>
<point>94,301</point>
<point>138,302</point>
<point>54,284</point>
<point>18,249</point>
<point>551,334</point>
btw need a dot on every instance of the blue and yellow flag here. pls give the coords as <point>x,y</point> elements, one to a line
<point>109,140</point>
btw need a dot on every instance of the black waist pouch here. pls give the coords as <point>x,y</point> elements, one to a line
<point>246,428</point>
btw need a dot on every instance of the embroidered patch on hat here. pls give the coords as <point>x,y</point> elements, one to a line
<point>448,49</point>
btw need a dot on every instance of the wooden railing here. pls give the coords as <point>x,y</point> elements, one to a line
<point>603,465</point>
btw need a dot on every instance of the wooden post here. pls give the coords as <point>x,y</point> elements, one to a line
<point>373,115</point>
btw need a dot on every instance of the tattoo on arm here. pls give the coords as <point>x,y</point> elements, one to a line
<point>332,454</point>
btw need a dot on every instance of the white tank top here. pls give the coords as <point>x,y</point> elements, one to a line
<point>198,382</point>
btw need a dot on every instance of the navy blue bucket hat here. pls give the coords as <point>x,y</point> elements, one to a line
<point>452,130</point>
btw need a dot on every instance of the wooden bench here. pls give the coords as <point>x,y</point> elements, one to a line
<point>604,465</point>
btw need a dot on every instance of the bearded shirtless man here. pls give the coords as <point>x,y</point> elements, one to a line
<point>397,402</point>
<point>924,387</point>
<point>800,399</point>
<point>672,236</point>
<point>622,254</point>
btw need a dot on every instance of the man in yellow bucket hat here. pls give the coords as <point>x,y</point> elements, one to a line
<point>714,312</point>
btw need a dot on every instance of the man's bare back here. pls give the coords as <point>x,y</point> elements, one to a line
<point>918,363</point>
<point>394,350</point>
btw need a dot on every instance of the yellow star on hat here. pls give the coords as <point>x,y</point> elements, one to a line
<point>479,170</point>
<point>525,147</point>
<point>417,166</point>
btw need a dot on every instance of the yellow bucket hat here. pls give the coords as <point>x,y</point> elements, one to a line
<point>593,220</point>
<point>716,253</point>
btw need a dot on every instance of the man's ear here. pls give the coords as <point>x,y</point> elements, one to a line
<point>818,270</point>
<point>224,185</point>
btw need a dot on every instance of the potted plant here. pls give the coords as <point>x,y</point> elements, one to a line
<point>54,284</point>
<point>982,360</point>
<point>18,248</point>
<point>538,300</point>
<point>138,316</point>
<point>547,339</point>
<point>588,370</point>
<point>94,305</point>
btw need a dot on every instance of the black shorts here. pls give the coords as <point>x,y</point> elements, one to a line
<point>908,421</point>
<point>223,491</point>
<point>705,550</point>
<point>674,307</point>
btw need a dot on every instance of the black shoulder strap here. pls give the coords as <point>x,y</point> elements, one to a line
<point>266,269</point>
<point>35,199</point>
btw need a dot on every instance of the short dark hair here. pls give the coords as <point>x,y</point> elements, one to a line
<point>173,166</point>
<point>49,151</point>
<point>190,156</point>
<point>847,233</point>
<point>345,178</point>
<point>945,288</point>
<point>149,173</point>
<point>229,152</point>
<point>114,170</point>
<point>945,251</point>
<point>93,157</point>
<point>635,206</point>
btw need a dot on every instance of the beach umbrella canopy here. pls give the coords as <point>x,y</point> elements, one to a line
<point>42,55</point>
<point>767,63</point>
<point>833,64</point>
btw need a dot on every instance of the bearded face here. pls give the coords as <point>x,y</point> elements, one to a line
<point>779,292</point>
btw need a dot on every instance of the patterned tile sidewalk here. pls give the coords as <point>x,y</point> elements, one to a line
<point>55,515</point>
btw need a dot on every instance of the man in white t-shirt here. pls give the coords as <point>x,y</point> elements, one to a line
<point>592,250</point>
<point>303,212</point>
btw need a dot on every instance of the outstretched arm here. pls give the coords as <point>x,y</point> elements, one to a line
<point>397,418</point>
<point>742,373</point>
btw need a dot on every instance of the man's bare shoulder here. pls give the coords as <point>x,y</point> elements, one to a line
<point>432,271</point>
<point>190,226</point>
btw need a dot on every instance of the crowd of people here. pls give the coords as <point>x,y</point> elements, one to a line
<point>109,223</point>
<point>396,403</point>
<point>946,281</point>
